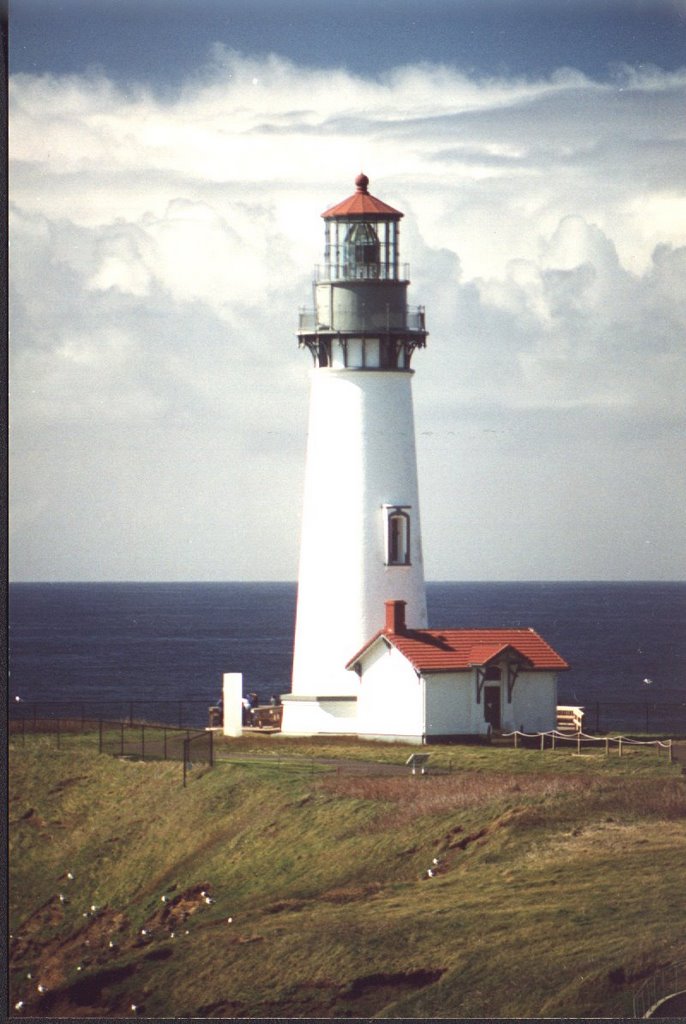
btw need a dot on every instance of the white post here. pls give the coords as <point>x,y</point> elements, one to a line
<point>233,703</point>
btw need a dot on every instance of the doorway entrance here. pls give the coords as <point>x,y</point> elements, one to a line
<point>492,706</point>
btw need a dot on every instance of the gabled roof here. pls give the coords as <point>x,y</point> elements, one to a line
<point>362,204</point>
<point>455,650</point>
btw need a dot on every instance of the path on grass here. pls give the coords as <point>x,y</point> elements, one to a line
<point>341,765</point>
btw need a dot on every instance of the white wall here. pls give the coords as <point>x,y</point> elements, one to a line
<point>534,703</point>
<point>310,716</point>
<point>451,705</point>
<point>391,696</point>
<point>360,456</point>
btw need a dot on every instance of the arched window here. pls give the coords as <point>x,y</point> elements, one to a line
<point>397,537</point>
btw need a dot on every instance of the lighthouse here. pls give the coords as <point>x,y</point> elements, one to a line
<point>361,537</point>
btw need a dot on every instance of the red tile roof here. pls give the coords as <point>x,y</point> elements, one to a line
<point>454,650</point>
<point>362,204</point>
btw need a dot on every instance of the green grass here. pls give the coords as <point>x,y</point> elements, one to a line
<point>557,892</point>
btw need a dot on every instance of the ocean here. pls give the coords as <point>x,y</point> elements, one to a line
<point>171,642</point>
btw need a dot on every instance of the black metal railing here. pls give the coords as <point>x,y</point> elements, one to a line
<point>182,713</point>
<point>143,741</point>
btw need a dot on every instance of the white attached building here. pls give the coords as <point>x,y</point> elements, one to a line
<point>419,685</point>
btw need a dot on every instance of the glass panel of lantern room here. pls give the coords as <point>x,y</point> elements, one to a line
<point>361,250</point>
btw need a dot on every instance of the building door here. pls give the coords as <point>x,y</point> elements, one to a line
<point>492,706</point>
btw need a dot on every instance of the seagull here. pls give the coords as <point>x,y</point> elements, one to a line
<point>648,682</point>
<point>63,898</point>
<point>164,899</point>
<point>435,860</point>
<point>41,988</point>
<point>430,873</point>
<point>229,920</point>
<point>209,900</point>
<point>70,876</point>
<point>18,700</point>
<point>19,1005</point>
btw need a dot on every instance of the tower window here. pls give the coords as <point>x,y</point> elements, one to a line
<point>397,536</point>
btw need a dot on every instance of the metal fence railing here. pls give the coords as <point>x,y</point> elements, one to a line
<point>192,712</point>
<point>139,740</point>
<point>635,716</point>
<point>665,982</point>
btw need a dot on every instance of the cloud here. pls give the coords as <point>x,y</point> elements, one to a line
<point>161,248</point>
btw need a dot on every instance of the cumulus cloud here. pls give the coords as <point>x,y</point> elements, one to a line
<point>160,251</point>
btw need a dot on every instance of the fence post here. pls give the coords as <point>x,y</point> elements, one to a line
<point>542,741</point>
<point>578,743</point>
<point>669,750</point>
<point>619,744</point>
<point>516,734</point>
<point>607,744</point>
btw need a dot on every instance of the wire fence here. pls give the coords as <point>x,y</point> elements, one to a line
<point>141,741</point>
<point>665,982</point>
<point>599,716</point>
<point>636,716</point>
<point>187,713</point>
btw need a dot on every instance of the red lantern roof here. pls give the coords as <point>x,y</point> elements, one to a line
<point>362,204</point>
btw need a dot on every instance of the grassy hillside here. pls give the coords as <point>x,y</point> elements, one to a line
<point>269,889</point>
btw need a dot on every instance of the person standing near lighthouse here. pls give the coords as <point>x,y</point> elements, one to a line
<point>361,538</point>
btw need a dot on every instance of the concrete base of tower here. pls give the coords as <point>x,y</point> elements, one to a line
<point>313,716</point>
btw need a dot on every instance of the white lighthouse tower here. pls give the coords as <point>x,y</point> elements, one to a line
<point>361,540</point>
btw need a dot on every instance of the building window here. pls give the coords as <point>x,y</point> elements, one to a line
<point>492,672</point>
<point>397,536</point>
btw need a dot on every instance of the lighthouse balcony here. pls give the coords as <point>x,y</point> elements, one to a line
<point>361,271</point>
<point>413,321</point>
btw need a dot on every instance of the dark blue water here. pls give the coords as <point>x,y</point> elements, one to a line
<point>173,641</point>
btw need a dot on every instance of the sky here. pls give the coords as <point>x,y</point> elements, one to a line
<point>169,162</point>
